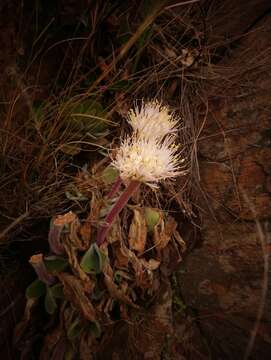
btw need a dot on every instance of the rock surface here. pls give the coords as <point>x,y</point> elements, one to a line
<point>223,280</point>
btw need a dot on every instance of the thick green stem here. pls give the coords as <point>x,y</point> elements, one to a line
<point>116,209</point>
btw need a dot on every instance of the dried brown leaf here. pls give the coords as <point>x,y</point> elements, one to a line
<point>76,269</point>
<point>115,233</point>
<point>87,346</point>
<point>23,324</point>
<point>65,219</point>
<point>163,232</point>
<point>73,232</point>
<point>54,237</point>
<point>121,258</point>
<point>151,264</point>
<point>138,231</point>
<point>180,241</point>
<point>75,293</point>
<point>50,341</point>
<point>142,268</point>
<point>114,291</point>
<point>85,231</point>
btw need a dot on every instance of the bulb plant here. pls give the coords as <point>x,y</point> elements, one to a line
<point>85,279</point>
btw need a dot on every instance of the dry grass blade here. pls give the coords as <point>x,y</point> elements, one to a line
<point>264,245</point>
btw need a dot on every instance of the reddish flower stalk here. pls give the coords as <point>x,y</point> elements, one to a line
<point>115,188</point>
<point>116,209</point>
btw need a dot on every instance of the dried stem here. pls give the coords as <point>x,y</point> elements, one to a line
<point>122,201</point>
<point>38,264</point>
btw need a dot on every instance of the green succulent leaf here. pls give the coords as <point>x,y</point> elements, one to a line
<point>110,174</point>
<point>88,116</point>
<point>57,291</point>
<point>152,217</point>
<point>36,289</point>
<point>50,302</point>
<point>93,260</point>
<point>55,263</point>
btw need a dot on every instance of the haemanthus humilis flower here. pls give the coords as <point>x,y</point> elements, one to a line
<point>148,156</point>
<point>147,161</point>
<point>151,120</point>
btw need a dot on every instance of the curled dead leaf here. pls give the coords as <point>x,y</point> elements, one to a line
<point>180,241</point>
<point>51,340</point>
<point>85,231</point>
<point>115,232</point>
<point>151,264</point>
<point>76,269</point>
<point>87,346</point>
<point>54,237</point>
<point>74,292</point>
<point>115,291</point>
<point>65,219</point>
<point>23,324</point>
<point>121,258</point>
<point>138,231</point>
<point>163,232</point>
<point>143,269</point>
<point>71,230</point>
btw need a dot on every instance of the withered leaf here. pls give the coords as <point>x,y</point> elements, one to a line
<point>180,241</point>
<point>50,341</point>
<point>121,258</point>
<point>126,255</point>
<point>74,292</point>
<point>116,292</point>
<point>23,324</point>
<point>115,232</point>
<point>85,230</point>
<point>138,231</point>
<point>65,219</point>
<point>87,346</point>
<point>151,264</point>
<point>54,237</point>
<point>76,269</point>
<point>60,349</point>
<point>163,232</point>
<point>71,230</point>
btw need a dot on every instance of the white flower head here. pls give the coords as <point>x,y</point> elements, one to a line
<point>151,120</point>
<point>147,161</point>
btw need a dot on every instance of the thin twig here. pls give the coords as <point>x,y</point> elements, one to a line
<point>13,224</point>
